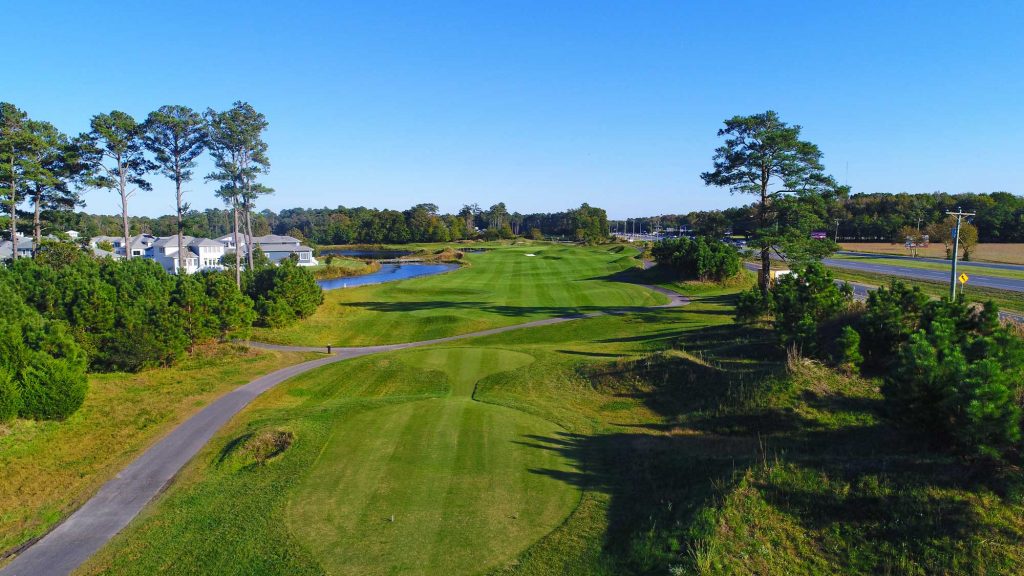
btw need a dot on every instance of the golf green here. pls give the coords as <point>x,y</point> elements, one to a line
<point>440,486</point>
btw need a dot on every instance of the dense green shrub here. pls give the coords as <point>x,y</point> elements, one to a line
<point>10,396</point>
<point>803,301</point>
<point>958,377</point>
<point>891,316</point>
<point>52,388</point>
<point>231,309</point>
<point>847,355</point>
<point>42,368</point>
<point>753,305</point>
<point>283,293</point>
<point>131,315</point>
<point>701,259</point>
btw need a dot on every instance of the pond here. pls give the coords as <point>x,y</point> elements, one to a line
<point>388,273</point>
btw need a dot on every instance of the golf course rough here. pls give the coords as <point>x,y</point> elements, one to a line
<point>439,486</point>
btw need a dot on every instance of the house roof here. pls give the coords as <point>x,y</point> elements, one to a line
<point>99,253</point>
<point>274,239</point>
<point>204,242</point>
<point>171,241</point>
<point>285,248</point>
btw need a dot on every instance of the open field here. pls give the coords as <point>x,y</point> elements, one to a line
<point>50,468</point>
<point>629,443</point>
<point>498,288</point>
<point>1006,253</point>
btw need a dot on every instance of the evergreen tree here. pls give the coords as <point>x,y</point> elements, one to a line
<point>176,135</point>
<point>115,154</point>
<point>761,153</point>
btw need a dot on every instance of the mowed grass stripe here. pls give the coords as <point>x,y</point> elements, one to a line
<point>502,287</point>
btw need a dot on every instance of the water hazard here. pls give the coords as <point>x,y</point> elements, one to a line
<point>388,273</point>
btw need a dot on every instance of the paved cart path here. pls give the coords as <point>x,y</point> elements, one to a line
<point>119,500</point>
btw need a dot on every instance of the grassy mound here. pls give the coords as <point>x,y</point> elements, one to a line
<point>844,492</point>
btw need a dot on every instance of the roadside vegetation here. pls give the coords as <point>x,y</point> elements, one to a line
<point>1005,299</point>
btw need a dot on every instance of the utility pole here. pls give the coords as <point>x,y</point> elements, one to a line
<point>837,231</point>
<point>956,248</point>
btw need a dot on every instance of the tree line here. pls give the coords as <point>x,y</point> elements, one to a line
<point>47,169</point>
<point>66,313</point>
<point>342,225</point>
<point>867,217</point>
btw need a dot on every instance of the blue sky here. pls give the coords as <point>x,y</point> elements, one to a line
<point>542,105</point>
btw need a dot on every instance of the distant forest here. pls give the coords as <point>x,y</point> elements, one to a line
<point>869,217</point>
<point>341,225</point>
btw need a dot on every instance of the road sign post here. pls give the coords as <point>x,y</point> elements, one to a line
<point>956,248</point>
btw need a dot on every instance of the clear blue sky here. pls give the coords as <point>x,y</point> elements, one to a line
<point>542,105</point>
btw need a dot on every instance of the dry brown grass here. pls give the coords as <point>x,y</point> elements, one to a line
<point>51,468</point>
<point>1005,253</point>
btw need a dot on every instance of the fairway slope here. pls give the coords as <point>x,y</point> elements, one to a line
<point>439,486</point>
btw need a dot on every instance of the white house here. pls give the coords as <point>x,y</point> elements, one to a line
<point>200,254</point>
<point>276,247</point>
<point>140,245</point>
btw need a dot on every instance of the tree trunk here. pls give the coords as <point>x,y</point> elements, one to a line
<point>238,255</point>
<point>14,212</point>
<point>247,207</point>
<point>181,241</point>
<point>766,250</point>
<point>37,231</point>
<point>124,209</point>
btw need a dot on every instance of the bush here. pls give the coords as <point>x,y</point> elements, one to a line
<point>958,377</point>
<point>700,259</point>
<point>42,368</point>
<point>52,389</point>
<point>803,301</point>
<point>753,305</point>
<point>283,293</point>
<point>848,356</point>
<point>892,315</point>
<point>10,397</point>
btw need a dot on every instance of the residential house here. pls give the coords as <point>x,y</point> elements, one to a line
<point>25,246</point>
<point>276,247</point>
<point>200,254</point>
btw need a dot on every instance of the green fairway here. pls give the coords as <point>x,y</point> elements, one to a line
<point>440,486</point>
<point>499,287</point>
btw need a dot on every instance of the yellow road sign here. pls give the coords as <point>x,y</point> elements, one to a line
<point>964,277</point>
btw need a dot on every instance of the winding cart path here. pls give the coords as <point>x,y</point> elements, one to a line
<point>119,500</point>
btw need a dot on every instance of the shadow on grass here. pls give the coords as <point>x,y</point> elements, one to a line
<point>872,496</point>
<point>653,483</point>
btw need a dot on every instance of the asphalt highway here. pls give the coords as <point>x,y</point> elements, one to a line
<point>895,269</point>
